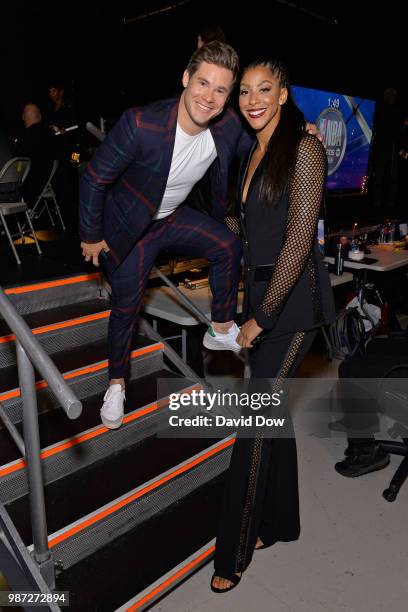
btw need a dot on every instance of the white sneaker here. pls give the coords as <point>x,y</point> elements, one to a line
<point>222,342</point>
<point>112,409</point>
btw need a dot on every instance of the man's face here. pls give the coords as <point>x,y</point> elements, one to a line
<point>205,95</point>
<point>55,93</point>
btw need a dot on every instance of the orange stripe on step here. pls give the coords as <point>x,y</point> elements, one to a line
<point>41,384</point>
<point>80,439</point>
<point>171,580</point>
<point>19,465</point>
<point>55,283</point>
<point>125,502</point>
<point>61,325</point>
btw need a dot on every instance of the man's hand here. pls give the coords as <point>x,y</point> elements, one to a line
<point>92,250</point>
<point>311,128</point>
<point>249,331</point>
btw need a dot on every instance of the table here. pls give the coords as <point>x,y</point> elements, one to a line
<point>164,303</point>
<point>388,260</point>
<point>335,280</point>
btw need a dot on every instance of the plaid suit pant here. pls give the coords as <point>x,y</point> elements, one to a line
<point>185,232</point>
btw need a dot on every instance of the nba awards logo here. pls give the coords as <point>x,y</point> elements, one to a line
<point>333,129</point>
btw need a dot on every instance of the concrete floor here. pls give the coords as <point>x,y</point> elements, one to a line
<point>352,554</point>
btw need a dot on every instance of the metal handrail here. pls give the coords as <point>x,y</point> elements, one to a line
<point>13,431</point>
<point>30,353</point>
<point>39,358</point>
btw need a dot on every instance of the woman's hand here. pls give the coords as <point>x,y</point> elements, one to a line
<point>249,331</point>
<point>311,128</point>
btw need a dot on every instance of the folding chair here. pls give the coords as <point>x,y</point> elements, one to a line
<point>48,193</point>
<point>12,177</point>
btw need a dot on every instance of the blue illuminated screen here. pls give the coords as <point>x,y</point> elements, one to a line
<point>346,123</point>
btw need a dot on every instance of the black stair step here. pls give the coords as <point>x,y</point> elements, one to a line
<point>83,492</point>
<point>60,314</point>
<point>69,360</point>
<point>117,572</point>
<point>55,425</point>
<point>40,269</point>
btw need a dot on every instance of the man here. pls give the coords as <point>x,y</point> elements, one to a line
<point>37,144</point>
<point>361,378</point>
<point>151,160</point>
<point>61,116</point>
<point>208,33</point>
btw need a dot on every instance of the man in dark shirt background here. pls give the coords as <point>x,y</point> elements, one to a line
<point>5,151</point>
<point>36,143</point>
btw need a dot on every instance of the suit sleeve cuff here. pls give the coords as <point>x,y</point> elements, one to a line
<point>90,240</point>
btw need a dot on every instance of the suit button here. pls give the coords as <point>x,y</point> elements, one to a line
<point>248,268</point>
<point>246,242</point>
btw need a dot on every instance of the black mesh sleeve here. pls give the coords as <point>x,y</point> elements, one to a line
<point>305,197</point>
<point>233,224</point>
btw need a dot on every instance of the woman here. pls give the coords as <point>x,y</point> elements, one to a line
<point>288,295</point>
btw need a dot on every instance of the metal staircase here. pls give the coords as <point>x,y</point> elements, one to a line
<point>129,512</point>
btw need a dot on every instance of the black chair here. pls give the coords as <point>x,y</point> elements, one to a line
<point>42,203</point>
<point>394,398</point>
<point>12,177</point>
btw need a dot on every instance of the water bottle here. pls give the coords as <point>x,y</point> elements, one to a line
<point>339,261</point>
<point>394,232</point>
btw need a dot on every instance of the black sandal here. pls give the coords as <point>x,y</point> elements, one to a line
<point>231,577</point>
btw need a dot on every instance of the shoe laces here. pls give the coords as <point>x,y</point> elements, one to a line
<point>114,393</point>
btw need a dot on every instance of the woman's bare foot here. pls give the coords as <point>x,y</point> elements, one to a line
<point>223,583</point>
<point>259,543</point>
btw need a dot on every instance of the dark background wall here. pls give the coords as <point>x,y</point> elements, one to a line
<point>108,65</point>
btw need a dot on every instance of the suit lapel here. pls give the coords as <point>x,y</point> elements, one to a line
<point>218,136</point>
<point>168,140</point>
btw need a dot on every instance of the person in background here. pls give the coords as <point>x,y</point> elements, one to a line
<point>287,297</point>
<point>61,114</point>
<point>66,143</point>
<point>361,378</point>
<point>208,33</point>
<point>37,143</point>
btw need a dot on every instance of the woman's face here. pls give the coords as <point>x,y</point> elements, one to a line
<point>261,97</point>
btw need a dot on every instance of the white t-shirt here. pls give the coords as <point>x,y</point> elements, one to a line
<point>192,156</point>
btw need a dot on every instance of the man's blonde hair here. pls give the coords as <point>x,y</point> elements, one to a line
<point>218,53</point>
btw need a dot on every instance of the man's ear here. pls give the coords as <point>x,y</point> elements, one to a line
<point>186,78</point>
<point>283,96</point>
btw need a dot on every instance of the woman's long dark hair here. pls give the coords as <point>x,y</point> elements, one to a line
<point>281,153</point>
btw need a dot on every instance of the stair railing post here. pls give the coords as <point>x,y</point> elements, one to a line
<point>41,551</point>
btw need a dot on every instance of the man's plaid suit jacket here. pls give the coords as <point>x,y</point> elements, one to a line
<point>123,184</point>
